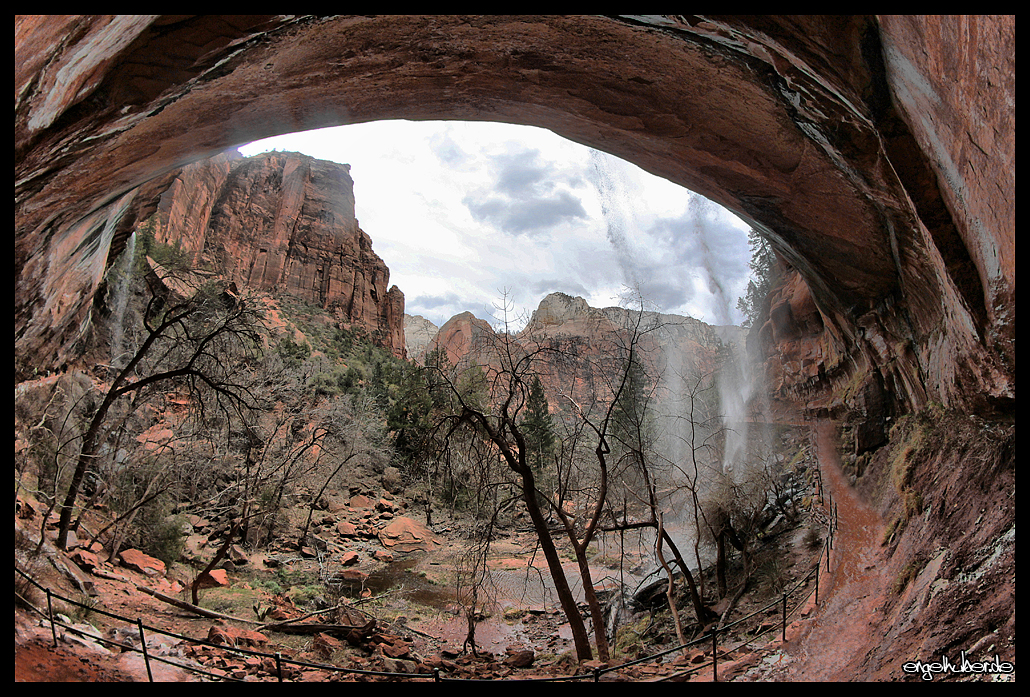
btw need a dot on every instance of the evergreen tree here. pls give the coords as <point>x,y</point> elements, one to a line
<point>537,426</point>
<point>763,275</point>
<point>633,428</point>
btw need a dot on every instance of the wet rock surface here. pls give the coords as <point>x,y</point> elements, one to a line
<point>877,154</point>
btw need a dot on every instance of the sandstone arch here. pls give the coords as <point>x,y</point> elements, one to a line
<point>877,153</point>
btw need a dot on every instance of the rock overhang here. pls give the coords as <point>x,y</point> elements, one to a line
<point>788,121</point>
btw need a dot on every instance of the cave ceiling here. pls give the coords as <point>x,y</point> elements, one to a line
<point>844,139</point>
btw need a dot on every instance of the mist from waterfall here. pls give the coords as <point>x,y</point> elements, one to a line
<point>614,209</point>
<point>727,399</point>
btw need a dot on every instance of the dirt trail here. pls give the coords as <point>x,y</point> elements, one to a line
<point>834,644</point>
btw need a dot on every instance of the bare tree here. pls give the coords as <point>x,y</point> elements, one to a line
<point>196,337</point>
<point>497,420</point>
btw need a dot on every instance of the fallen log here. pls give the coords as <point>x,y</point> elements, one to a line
<point>183,605</point>
<point>352,633</point>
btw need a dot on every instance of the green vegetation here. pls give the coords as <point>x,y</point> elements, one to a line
<point>338,360</point>
<point>538,428</point>
<point>170,256</point>
<point>763,276</point>
<point>908,574</point>
<point>907,439</point>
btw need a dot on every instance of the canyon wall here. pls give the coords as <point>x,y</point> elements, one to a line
<point>576,349</point>
<point>284,222</point>
<point>876,154</point>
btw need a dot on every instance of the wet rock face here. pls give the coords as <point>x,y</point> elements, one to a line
<point>876,154</point>
<point>285,222</point>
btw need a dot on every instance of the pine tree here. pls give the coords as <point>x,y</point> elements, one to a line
<point>537,426</point>
<point>633,428</point>
<point>763,275</point>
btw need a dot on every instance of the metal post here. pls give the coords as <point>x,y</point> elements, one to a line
<point>50,614</point>
<point>715,657</point>
<point>784,617</point>
<point>279,665</point>
<point>143,643</point>
<point>817,582</point>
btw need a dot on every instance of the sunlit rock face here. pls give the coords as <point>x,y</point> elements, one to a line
<point>418,332</point>
<point>877,154</point>
<point>284,222</point>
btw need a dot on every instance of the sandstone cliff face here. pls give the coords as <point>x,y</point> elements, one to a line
<point>461,335</point>
<point>418,332</point>
<point>876,154</point>
<point>811,127</point>
<point>577,348</point>
<point>285,222</point>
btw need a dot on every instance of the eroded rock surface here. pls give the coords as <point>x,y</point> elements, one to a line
<point>284,222</point>
<point>876,154</point>
<point>813,127</point>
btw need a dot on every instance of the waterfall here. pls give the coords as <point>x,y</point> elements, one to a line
<point>611,192</point>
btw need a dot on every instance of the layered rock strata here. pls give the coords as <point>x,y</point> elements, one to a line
<point>575,348</point>
<point>875,153</point>
<point>284,222</point>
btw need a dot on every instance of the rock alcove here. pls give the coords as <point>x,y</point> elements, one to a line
<point>875,153</point>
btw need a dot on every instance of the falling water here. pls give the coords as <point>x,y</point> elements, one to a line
<point>610,190</point>
<point>121,286</point>
<point>735,379</point>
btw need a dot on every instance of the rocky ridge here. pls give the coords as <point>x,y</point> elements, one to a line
<point>418,332</point>
<point>284,222</point>
<point>670,345</point>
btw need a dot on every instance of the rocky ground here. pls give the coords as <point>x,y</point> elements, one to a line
<point>402,577</point>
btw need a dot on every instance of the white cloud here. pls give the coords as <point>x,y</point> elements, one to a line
<point>464,212</point>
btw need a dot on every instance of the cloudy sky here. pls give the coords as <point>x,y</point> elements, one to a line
<point>466,213</point>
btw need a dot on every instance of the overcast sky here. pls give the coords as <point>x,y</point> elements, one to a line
<point>463,212</point>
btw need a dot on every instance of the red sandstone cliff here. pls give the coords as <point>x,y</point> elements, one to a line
<point>575,348</point>
<point>285,222</point>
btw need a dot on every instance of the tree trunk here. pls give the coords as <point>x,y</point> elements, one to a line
<point>561,584</point>
<point>596,615</point>
<point>720,563</point>
<point>704,615</point>
<point>86,456</point>
<point>670,591</point>
<point>195,586</point>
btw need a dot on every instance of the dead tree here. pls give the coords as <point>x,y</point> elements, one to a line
<point>196,342</point>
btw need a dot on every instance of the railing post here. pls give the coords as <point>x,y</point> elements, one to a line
<point>715,657</point>
<point>50,614</point>
<point>143,643</point>
<point>817,578</point>
<point>279,665</point>
<point>784,634</point>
